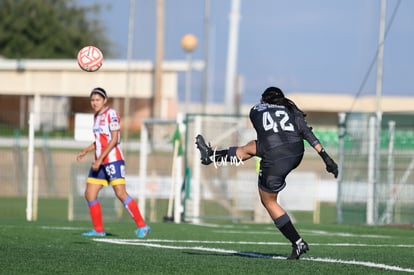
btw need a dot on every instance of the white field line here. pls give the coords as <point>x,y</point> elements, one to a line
<point>342,234</point>
<point>156,244</point>
<point>271,231</point>
<point>306,232</point>
<point>263,243</point>
<point>62,228</point>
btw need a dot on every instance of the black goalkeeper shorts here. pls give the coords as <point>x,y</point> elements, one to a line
<point>276,164</point>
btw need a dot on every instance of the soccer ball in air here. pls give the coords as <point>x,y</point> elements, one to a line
<point>90,58</point>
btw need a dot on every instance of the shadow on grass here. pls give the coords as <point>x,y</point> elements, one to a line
<point>86,237</point>
<point>242,254</point>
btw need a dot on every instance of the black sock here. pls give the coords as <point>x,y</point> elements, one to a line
<point>284,224</point>
<point>225,154</point>
<point>220,154</point>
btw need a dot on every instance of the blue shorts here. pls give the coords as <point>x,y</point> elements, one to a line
<point>111,173</point>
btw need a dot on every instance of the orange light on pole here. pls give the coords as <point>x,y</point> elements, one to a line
<point>189,44</point>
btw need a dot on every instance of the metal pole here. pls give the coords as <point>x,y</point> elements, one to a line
<point>370,215</point>
<point>157,102</point>
<point>387,217</point>
<point>380,58</point>
<point>30,165</point>
<point>143,168</point>
<point>341,151</point>
<point>196,182</point>
<point>232,56</point>
<point>128,75</point>
<point>188,83</point>
<point>206,53</point>
<point>178,180</point>
<point>379,109</point>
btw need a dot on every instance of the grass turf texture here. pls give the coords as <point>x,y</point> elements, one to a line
<point>54,245</point>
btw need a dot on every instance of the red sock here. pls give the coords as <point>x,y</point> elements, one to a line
<point>96,215</point>
<point>132,208</point>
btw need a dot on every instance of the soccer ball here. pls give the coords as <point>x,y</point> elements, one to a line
<point>90,58</point>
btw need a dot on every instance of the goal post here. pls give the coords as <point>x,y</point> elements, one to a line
<point>220,191</point>
<point>161,169</point>
<point>194,193</point>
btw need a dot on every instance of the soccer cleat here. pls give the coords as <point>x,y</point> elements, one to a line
<point>94,233</point>
<point>205,150</point>
<point>143,231</point>
<point>298,249</point>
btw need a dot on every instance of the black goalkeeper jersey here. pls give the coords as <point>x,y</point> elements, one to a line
<point>277,125</point>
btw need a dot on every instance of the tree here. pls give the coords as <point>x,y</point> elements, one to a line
<point>49,28</point>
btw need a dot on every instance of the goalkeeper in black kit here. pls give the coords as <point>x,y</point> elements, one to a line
<point>281,128</point>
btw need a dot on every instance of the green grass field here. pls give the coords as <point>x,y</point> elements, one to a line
<point>53,245</point>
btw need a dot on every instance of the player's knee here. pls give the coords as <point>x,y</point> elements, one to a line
<point>266,202</point>
<point>121,193</point>
<point>89,196</point>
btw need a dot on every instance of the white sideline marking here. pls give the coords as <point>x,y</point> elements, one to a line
<point>155,244</point>
<point>60,227</point>
<point>353,262</point>
<point>308,232</point>
<point>264,243</point>
<point>343,234</point>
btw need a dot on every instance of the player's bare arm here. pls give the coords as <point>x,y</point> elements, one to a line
<point>85,151</point>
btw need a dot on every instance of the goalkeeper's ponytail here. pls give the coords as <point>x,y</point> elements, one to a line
<point>274,95</point>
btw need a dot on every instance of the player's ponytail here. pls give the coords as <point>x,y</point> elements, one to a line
<point>274,95</point>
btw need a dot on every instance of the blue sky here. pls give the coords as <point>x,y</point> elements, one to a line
<point>302,46</point>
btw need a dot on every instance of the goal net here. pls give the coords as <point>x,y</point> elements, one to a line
<point>376,180</point>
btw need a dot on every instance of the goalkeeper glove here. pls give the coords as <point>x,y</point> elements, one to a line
<point>331,166</point>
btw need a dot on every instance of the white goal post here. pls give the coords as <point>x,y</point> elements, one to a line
<point>190,186</point>
<point>161,164</point>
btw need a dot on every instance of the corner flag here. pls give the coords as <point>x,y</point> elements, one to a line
<point>177,141</point>
<point>176,179</point>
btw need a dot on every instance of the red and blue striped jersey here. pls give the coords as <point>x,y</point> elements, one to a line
<point>106,121</point>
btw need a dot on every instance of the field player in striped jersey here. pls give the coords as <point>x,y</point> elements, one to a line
<point>281,128</point>
<point>109,166</point>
